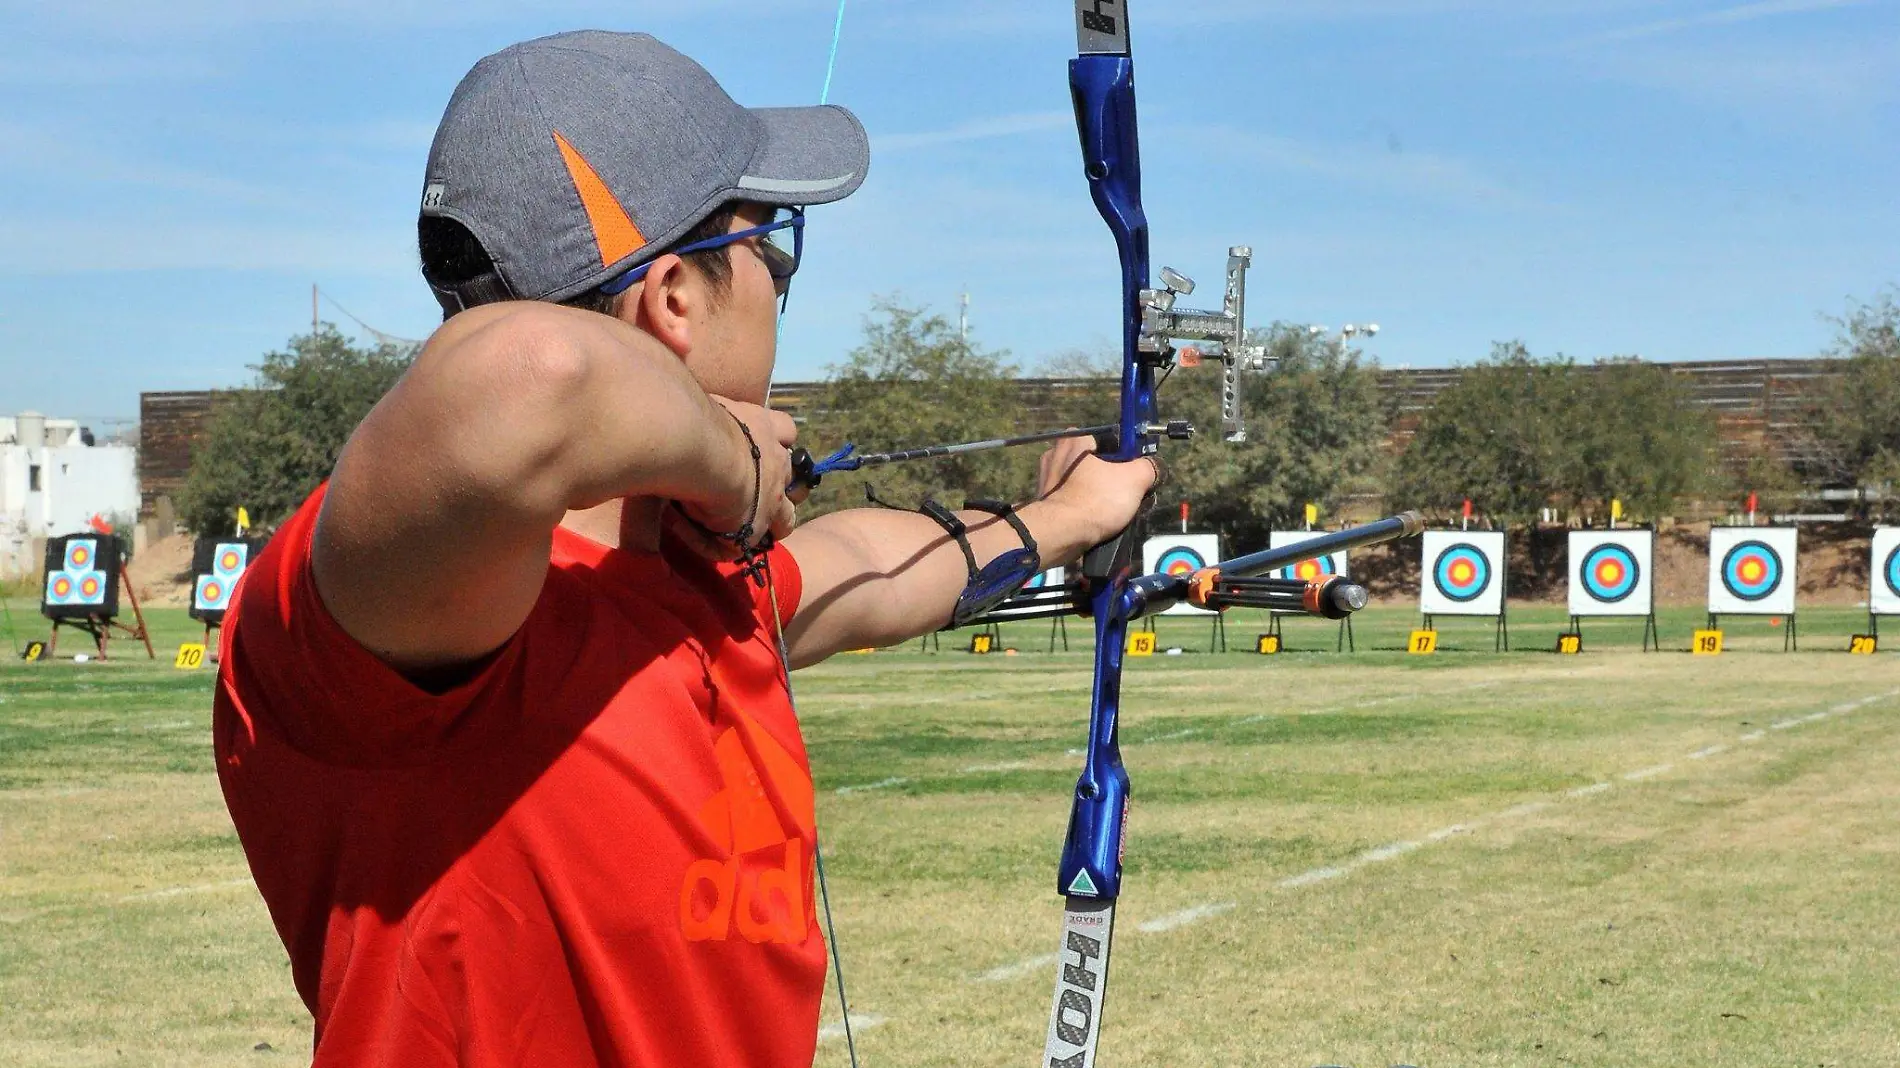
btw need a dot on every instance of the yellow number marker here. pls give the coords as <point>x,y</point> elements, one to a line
<point>1707,643</point>
<point>1570,644</point>
<point>1423,643</point>
<point>191,656</point>
<point>1864,645</point>
<point>1141,643</point>
<point>1268,645</point>
<point>982,645</point>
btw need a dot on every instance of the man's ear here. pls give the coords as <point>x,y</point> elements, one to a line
<point>664,303</point>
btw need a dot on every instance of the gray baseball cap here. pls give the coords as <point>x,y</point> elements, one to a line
<point>575,158</point>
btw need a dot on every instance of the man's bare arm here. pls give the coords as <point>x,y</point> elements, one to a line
<point>876,577</point>
<point>432,546</point>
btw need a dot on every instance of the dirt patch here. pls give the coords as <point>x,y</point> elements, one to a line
<point>162,573</point>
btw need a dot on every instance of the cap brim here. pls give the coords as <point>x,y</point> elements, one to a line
<point>811,155</point>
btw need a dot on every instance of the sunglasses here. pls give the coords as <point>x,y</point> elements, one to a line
<point>782,247</point>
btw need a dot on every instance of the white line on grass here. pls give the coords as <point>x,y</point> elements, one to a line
<point>860,1023</point>
<point>882,785</point>
<point>1308,878</point>
<point>986,769</point>
<point>1455,829</point>
<point>1387,852</point>
<point>1704,754</point>
<point>1649,773</point>
<point>1185,917</point>
<point>1588,791</point>
<point>1021,967</point>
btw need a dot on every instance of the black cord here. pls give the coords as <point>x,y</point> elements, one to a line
<point>752,555</point>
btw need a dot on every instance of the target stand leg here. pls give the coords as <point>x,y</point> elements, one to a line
<point>1217,641</point>
<point>1651,633</point>
<point>1345,637</point>
<point>1791,641</point>
<point>1502,642</point>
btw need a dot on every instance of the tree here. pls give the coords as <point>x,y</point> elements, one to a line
<point>1641,439</point>
<point>1856,418</point>
<point>1315,434</point>
<point>914,381</point>
<point>269,446</point>
<point>1518,434</point>
<point>1502,436</point>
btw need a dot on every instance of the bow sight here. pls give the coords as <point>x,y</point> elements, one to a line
<point>1162,324</point>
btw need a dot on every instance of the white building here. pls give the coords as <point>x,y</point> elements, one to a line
<point>53,480</point>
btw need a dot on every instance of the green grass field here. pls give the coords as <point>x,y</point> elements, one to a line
<point>1470,859</point>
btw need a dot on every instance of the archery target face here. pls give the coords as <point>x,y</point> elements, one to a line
<point>60,587</point>
<point>1462,573</point>
<point>1752,570</point>
<point>1884,599</point>
<point>228,562</point>
<point>212,595</point>
<point>1324,567</point>
<point>1610,573</point>
<point>80,553</point>
<point>1181,555</point>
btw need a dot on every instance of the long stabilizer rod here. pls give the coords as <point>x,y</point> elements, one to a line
<point>1157,593</point>
<point>1403,525</point>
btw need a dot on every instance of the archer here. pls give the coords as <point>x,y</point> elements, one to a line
<point>503,718</point>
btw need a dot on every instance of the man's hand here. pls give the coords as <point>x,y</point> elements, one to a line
<point>1105,496</point>
<point>757,497</point>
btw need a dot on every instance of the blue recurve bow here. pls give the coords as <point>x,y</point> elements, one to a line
<point>1102,81</point>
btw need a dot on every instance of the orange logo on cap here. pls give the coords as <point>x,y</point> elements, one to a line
<point>762,886</point>
<point>614,230</point>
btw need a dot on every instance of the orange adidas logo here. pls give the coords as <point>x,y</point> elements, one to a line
<point>762,886</point>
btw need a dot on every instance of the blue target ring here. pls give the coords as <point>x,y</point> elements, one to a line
<point>1462,573</point>
<point>1751,571</point>
<point>1180,561</point>
<point>1609,573</point>
<point>1892,571</point>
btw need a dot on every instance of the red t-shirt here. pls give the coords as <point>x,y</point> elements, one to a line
<point>598,851</point>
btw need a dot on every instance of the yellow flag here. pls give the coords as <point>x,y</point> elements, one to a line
<point>244,519</point>
<point>1312,514</point>
<point>1616,509</point>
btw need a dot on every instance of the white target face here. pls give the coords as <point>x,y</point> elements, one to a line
<point>213,594</point>
<point>1181,555</point>
<point>230,560</point>
<point>1317,569</point>
<point>1610,572</point>
<point>1462,573</point>
<point>1884,598</point>
<point>1752,571</point>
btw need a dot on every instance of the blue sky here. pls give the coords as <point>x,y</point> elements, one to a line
<point>1678,180</point>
